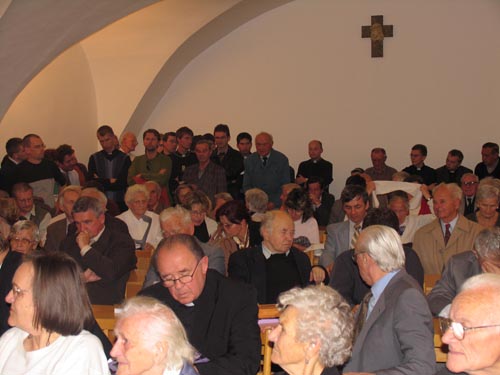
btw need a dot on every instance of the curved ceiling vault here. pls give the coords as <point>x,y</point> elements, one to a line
<point>34,33</point>
<point>198,42</point>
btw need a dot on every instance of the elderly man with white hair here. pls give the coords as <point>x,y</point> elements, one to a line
<point>143,225</point>
<point>394,330</point>
<point>151,340</point>
<point>472,332</point>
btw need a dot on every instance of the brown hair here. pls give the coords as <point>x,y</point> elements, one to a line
<point>59,295</point>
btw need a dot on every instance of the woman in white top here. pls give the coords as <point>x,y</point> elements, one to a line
<point>299,207</point>
<point>49,311</point>
<point>143,225</point>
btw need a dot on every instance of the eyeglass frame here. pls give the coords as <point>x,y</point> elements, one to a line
<point>23,241</point>
<point>18,292</point>
<point>180,279</point>
<point>445,324</point>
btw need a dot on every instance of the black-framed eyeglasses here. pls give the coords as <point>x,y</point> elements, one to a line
<point>355,254</point>
<point>186,279</point>
<point>458,328</point>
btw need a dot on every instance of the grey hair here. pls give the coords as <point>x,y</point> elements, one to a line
<point>177,213</point>
<point>400,176</point>
<point>155,184</point>
<point>487,192</point>
<point>268,220</point>
<point>133,190</point>
<point>97,194</point>
<point>491,181</point>
<point>323,317</point>
<point>84,204</point>
<point>383,245</point>
<point>484,280</point>
<point>223,195</point>
<point>25,225</point>
<point>487,243</point>
<point>157,323</point>
<point>73,188</point>
<point>256,200</point>
<point>266,134</point>
<point>452,188</point>
<point>469,175</point>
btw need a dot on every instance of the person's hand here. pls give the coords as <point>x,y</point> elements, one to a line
<point>112,180</point>
<point>300,180</point>
<point>425,191</point>
<point>90,276</point>
<point>82,239</point>
<point>163,171</point>
<point>355,309</point>
<point>315,199</point>
<point>148,247</point>
<point>317,275</point>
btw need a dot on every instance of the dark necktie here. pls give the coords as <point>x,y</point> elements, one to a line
<point>401,229</point>
<point>447,234</point>
<point>363,312</point>
<point>264,161</point>
<point>221,156</point>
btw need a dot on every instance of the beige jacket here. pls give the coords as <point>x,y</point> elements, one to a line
<point>430,247</point>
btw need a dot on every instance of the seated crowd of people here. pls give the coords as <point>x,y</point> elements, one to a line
<point>229,230</point>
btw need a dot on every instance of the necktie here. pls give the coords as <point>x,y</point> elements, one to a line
<point>264,160</point>
<point>401,229</point>
<point>447,234</point>
<point>361,317</point>
<point>355,235</point>
<point>221,156</point>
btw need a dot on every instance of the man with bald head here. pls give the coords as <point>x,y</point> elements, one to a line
<point>266,169</point>
<point>219,315</point>
<point>473,329</point>
<point>315,166</point>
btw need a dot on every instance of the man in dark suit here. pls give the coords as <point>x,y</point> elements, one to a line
<point>229,159</point>
<point>266,169</point>
<point>15,155</point>
<point>274,266</point>
<point>418,155</point>
<point>58,227</point>
<point>219,315</point>
<point>321,199</point>
<point>453,170</point>
<point>315,166</point>
<point>105,254</point>
<point>394,324</point>
<point>485,258</point>
<point>469,183</point>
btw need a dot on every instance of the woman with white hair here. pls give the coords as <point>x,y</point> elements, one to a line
<point>315,331</point>
<point>151,340</point>
<point>143,225</point>
<point>487,201</point>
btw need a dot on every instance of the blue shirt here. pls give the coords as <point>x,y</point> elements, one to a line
<point>378,289</point>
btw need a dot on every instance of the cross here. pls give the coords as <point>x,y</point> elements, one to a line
<point>377,31</point>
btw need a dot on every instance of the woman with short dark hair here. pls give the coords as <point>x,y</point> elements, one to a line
<point>50,310</point>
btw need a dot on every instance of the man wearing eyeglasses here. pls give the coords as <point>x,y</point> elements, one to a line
<point>472,332</point>
<point>219,315</point>
<point>460,267</point>
<point>469,183</point>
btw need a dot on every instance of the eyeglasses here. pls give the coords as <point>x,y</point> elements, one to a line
<point>458,328</point>
<point>186,279</point>
<point>18,292</point>
<point>470,183</point>
<point>198,213</point>
<point>355,255</point>
<point>22,241</point>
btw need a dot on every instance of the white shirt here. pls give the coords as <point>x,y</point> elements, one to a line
<point>137,227</point>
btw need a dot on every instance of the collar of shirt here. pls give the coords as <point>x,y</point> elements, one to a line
<point>267,253</point>
<point>378,288</point>
<point>12,160</point>
<point>493,167</point>
<point>96,238</point>
<point>31,213</point>
<point>452,224</point>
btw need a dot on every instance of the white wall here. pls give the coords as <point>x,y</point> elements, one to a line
<point>302,71</point>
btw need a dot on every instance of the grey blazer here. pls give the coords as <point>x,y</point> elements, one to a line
<point>397,338</point>
<point>337,242</point>
<point>458,269</point>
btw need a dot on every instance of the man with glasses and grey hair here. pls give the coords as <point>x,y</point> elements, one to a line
<point>394,330</point>
<point>484,258</point>
<point>472,332</point>
<point>219,315</point>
